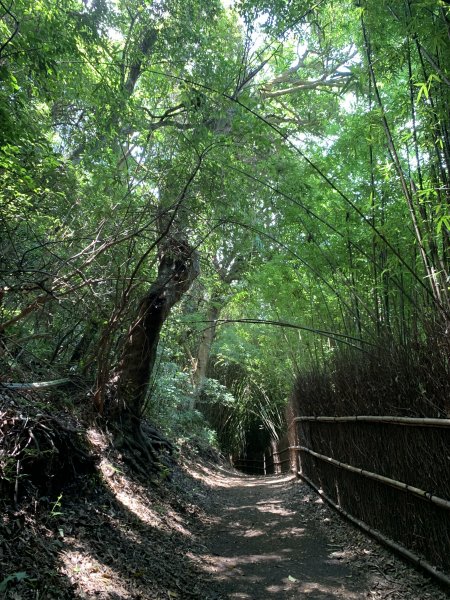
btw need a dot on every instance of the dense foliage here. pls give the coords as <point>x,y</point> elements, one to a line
<point>298,151</point>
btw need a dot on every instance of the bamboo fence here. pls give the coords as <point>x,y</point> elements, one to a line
<point>411,556</point>
<point>414,421</point>
<point>387,480</point>
<point>370,445</point>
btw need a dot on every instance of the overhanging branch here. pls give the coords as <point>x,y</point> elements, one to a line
<point>339,337</point>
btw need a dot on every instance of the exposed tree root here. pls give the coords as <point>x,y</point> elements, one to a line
<point>158,441</point>
<point>144,448</point>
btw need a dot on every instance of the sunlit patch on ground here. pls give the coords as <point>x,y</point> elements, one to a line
<point>313,590</point>
<point>253,533</point>
<point>292,532</point>
<point>97,439</point>
<point>119,486</point>
<point>91,578</point>
<point>270,507</point>
<point>224,567</point>
<point>133,498</point>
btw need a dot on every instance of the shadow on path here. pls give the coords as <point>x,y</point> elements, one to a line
<point>260,548</point>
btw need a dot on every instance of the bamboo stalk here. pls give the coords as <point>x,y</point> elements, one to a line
<point>380,537</point>
<point>415,421</point>
<point>34,386</point>
<point>386,480</point>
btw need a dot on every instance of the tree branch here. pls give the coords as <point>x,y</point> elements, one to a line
<point>16,28</point>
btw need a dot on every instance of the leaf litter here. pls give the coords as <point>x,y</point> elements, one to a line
<point>198,536</point>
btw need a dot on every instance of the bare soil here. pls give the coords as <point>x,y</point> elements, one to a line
<point>209,533</point>
<point>273,537</point>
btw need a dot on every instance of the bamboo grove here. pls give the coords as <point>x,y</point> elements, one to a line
<point>202,202</point>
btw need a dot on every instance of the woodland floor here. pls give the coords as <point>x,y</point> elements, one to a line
<point>210,534</point>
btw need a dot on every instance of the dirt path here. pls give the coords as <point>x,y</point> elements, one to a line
<point>274,538</point>
<point>263,549</point>
<point>206,534</point>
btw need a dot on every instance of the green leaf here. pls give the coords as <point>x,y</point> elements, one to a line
<point>19,576</point>
<point>423,89</point>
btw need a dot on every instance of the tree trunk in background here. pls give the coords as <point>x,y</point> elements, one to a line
<point>84,343</point>
<point>228,271</point>
<point>204,349</point>
<point>178,267</point>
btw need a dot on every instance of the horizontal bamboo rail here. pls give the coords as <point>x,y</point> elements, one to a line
<point>414,421</point>
<point>386,480</point>
<point>34,386</point>
<point>274,457</point>
<point>278,454</point>
<point>380,537</point>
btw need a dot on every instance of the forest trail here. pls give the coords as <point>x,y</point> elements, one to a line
<point>262,548</point>
<point>273,537</point>
<point>206,533</point>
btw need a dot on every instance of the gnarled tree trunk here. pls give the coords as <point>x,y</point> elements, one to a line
<point>178,267</point>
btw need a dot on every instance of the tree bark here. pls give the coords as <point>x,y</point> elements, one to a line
<point>178,267</point>
<point>230,270</point>
<point>204,350</point>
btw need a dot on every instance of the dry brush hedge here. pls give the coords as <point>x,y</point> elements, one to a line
<point>40,447</point>
<point>418,456</point>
